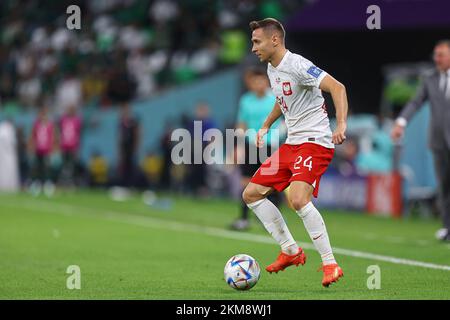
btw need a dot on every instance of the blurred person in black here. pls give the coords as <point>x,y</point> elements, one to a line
<point>121,87</point>
<point>129,136</point>
<point>166,145</point>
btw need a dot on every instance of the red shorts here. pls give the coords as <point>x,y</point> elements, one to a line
<point>304,162</point>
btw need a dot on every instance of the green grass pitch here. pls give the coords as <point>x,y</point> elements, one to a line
<point>128,250</point>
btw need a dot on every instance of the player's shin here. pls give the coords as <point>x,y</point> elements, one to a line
<point>274,223</point>
<point>317,231</point>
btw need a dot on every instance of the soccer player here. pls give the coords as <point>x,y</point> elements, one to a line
<point>303,158</point>
<point>70,135</point>
<point>42,143</point>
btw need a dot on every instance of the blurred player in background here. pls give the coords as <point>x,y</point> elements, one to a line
<point>254,106</point>
<point>300,162</point>
<point>70,134</point>
<point>435,88</point>
<point>42,143</point>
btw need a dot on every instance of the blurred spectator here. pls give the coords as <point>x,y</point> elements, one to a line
<point>163,11</point>
<point>129,133</point>
<point>151,166</point>
<point>98,170</point>
<point>29,88</point>
<point>234,46</point>
<point>6,88</point>
<point>121,86</point>
<point>204,60</point>
<point>68,93</point>
<point>138,65</point>
<point>93,85</point>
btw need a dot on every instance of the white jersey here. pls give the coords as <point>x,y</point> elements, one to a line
<point>295,82</point>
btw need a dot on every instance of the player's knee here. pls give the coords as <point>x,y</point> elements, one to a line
<point>247,195</point>
<point>298,202</point>
<point>251,194</point>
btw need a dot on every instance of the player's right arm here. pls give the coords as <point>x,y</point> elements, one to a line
<point>271,118</point>
<point>409,110</point>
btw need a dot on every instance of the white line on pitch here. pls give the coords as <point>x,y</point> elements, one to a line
<point>152,222</point>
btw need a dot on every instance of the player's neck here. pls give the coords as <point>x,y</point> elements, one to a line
<point>277,57</point>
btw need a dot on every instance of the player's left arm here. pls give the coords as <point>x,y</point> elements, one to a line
<point>339,95</point>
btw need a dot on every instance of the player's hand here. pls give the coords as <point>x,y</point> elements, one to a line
<point>397,132</point>
<point>339,134</point>
<point>260,137</point>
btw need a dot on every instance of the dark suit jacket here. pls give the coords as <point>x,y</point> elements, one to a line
<point>439,128</point>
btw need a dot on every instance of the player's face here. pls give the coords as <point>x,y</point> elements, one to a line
<point>262,45</point>
<point>441,57</point>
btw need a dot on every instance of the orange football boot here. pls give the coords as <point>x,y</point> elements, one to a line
<point>284,260</point>
<point>331,273</point>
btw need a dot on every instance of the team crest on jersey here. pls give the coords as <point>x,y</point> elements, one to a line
<point>287,91</point>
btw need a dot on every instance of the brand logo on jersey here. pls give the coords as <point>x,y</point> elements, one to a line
<point>287,91</point>
<point>277,80</point>
<point>314,71</point>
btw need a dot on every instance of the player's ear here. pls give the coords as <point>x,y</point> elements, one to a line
<point>274,39</point>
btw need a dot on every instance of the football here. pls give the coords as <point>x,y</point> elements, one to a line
<point>242,272</point>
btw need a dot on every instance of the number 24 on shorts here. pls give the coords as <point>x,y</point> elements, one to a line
<point>307,163</point>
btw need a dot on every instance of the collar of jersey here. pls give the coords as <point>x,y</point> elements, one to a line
<point>282,60</point>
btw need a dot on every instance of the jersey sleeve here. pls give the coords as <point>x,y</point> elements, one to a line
<point>307,74</point>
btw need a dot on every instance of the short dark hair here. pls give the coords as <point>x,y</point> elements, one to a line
<point>269,24</point>
<point>443,42</point>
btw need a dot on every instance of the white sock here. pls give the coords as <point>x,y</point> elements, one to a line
<point>274,223</point>
<point>317,231</point>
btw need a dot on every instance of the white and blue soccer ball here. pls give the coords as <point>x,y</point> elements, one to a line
<point>242,272</point>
